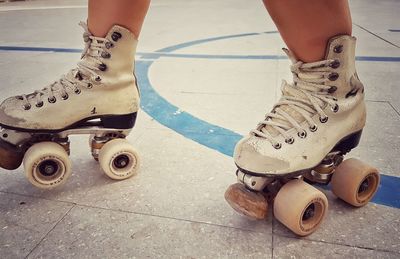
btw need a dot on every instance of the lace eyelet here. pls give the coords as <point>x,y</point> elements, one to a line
<point>109,45</point>
<point>333,76</point>
<point>338,49</point>
<point>277,145</point>
<point>289,141</point>
<point>313,128</point>
<point>89,86</point>
<point>39,104</point>
<point>19,98</point>
<point>335,64</point>
<point>27,107</point>
<point>102,67</point>
<point>77,91</point>
<point>323,119</point>
<point>335,108</point>
<point>332,89</point>
<point>65,97</point>
<point>302,134</point>
<point>116,36</point>
<point>105,54</point>
<point>52,100</point>
<point>98,79</point>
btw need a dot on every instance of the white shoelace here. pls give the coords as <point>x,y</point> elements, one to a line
<point>308,95</point>
<point>83,76</point>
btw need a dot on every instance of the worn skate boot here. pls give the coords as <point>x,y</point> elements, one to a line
<point>99,97</point>
<point>318,119</point>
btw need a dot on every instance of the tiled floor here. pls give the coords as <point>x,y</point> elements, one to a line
<point>175,207</point>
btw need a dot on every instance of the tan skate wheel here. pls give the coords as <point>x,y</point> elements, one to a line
<point>246,202</point>
<point>118,159</point>
<point>300,207</point>
<point>10,158</point>
<point>47,165</point>
<point>355,182</point>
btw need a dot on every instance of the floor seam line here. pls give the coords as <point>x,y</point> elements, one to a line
<point>136,213</point>
<point>341,244</point>
<point>395,110</point>
<point>48,232</point>
<point>376,35</point>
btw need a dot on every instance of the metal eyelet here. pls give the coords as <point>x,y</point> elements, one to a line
<point>103,67</point>
<point>335,64</point>
<point>302,134</point>
<point>89,86</point>
<point>39,104</point>
<point>116,36</point>
<point>338,49</point>
<point>52,100</point>
<point>277,145</point>
<point>333,76</point>
<point>289,141</point>
<point>332,89</point>
<point>105,54</point>
<point>27,107</point>
<point>19,98</point>
<point>335,108</point>
<point>109,45</point>
<point>98,79</point>
<point>313,128</point>
<point>323,119</point>
<point>65,96</point>
<point>77,91</point>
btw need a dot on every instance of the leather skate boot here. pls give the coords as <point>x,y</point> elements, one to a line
<point>323,110</point>
<point>102,86</point>
<point>100,93</point>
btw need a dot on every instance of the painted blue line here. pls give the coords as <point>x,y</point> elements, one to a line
<point>169,115</point>
<point>204,133</point>
<point>158,54</point>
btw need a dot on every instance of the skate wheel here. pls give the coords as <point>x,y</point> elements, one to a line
<point>47,165</point>
<point>10,158</point>
<point>355,182</point>
<point>300,207</point>
<point>118,159</point>
<point>246,202</point>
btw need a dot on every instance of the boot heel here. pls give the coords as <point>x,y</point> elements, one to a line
<point>126,121</point>
<point>349,142</point>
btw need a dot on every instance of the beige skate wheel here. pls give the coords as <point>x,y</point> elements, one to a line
<point>118,159</point>
<point>47,165</point>
<point>300,207</point>
<point>355,182</point>
<point>246,202</point>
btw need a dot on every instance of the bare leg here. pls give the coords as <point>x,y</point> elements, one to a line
<point>103,14</point>
<point>306,25</point>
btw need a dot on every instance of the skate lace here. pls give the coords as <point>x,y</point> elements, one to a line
<point>83,76</point>
<point>306,96</point>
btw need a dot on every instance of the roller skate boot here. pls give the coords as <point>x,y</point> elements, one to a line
<point>99,98</point>
<point>318,119</point>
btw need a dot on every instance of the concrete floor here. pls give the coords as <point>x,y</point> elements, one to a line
<point>175,207</point>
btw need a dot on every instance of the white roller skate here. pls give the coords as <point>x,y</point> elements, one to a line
<point>99,97</point>
<point>318,119</point>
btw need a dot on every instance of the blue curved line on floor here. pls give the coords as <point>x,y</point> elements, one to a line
<point>215,137</point>
<point>156,55</point>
